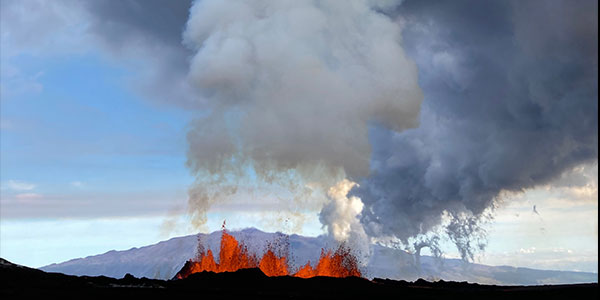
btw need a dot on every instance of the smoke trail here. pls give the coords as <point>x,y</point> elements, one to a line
<point>292,87</point>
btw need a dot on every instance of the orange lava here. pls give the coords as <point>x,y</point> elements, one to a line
<point>234,256</point>
<point>339,264</point>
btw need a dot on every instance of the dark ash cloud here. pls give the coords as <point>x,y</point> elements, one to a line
<point>120,22</point>
<point>148,36</point>
<point>511,102</point>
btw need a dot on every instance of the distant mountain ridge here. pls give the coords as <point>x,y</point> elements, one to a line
<point>164,259</point>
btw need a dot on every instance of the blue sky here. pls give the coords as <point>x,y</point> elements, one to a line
<point>90,160</point>
<point>83,130</point>
<point>93,151</point>
<point>76,138</point>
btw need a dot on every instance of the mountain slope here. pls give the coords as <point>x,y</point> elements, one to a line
<point>163,260</point>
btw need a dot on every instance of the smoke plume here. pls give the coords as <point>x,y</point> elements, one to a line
<point>341,216</point>
<point>292,87</point>
<point>511,102</point>
<point>313,96</point>
<point>304,99</point>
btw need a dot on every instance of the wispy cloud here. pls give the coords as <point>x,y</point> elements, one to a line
<point>546,258</point>
<point>15,82</point>
<point>77,184</point>
<point>29,199</point>
<point>17,185</point>
<point>28,196</point>
<point>527,251</point>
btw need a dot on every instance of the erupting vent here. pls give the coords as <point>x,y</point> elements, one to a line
<point>234,256</point>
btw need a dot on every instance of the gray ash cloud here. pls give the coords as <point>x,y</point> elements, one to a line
<point>511,102</point>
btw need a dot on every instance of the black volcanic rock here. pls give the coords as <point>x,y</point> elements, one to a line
<point>20,282</point>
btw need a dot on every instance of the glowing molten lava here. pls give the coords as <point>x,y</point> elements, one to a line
<point>234,256</point>
<point>339,264</point>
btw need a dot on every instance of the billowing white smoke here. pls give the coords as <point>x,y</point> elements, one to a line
<point>291,88</point>
<point>341,216</point>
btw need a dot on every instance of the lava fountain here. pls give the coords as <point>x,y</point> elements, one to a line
<point>234,256</point>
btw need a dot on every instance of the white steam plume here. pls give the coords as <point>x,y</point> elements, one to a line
<point>341,217</point>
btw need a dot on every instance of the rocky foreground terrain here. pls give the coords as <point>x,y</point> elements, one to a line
<point>20,282</point>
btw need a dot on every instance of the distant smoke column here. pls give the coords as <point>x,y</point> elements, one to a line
<point>290,89</point>
<point>511,102</point>
<point>425,242</point>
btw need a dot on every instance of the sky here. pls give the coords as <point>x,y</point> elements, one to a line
<point>124,123</point>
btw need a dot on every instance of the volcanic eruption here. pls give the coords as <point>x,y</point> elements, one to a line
<point>381,120</point>
<point>387,126</point>
<point>234,255</point>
